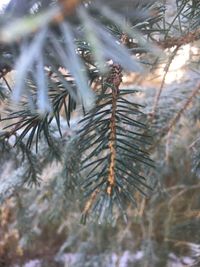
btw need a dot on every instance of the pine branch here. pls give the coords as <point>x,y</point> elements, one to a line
<point>112,145</point>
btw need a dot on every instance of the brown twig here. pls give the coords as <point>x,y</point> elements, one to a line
<point>183,191</point>
<point>185,106</point>
<point>174,120</point>
<point>157,97</point>
<point>114,79</point>
<point>189,37</point>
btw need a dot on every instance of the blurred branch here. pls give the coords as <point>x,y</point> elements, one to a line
<point>183,191</point>
<point>187,38</point>
<point>185,106</point>
<point>176,118</point>
<point>21,27</point>
<point>166,69</point>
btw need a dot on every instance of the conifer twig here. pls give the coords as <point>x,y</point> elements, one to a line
<point>176,118</point>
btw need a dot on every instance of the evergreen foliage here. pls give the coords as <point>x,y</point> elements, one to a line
<point>69,58</point>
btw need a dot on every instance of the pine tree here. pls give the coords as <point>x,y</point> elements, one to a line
<point>69,59</point>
